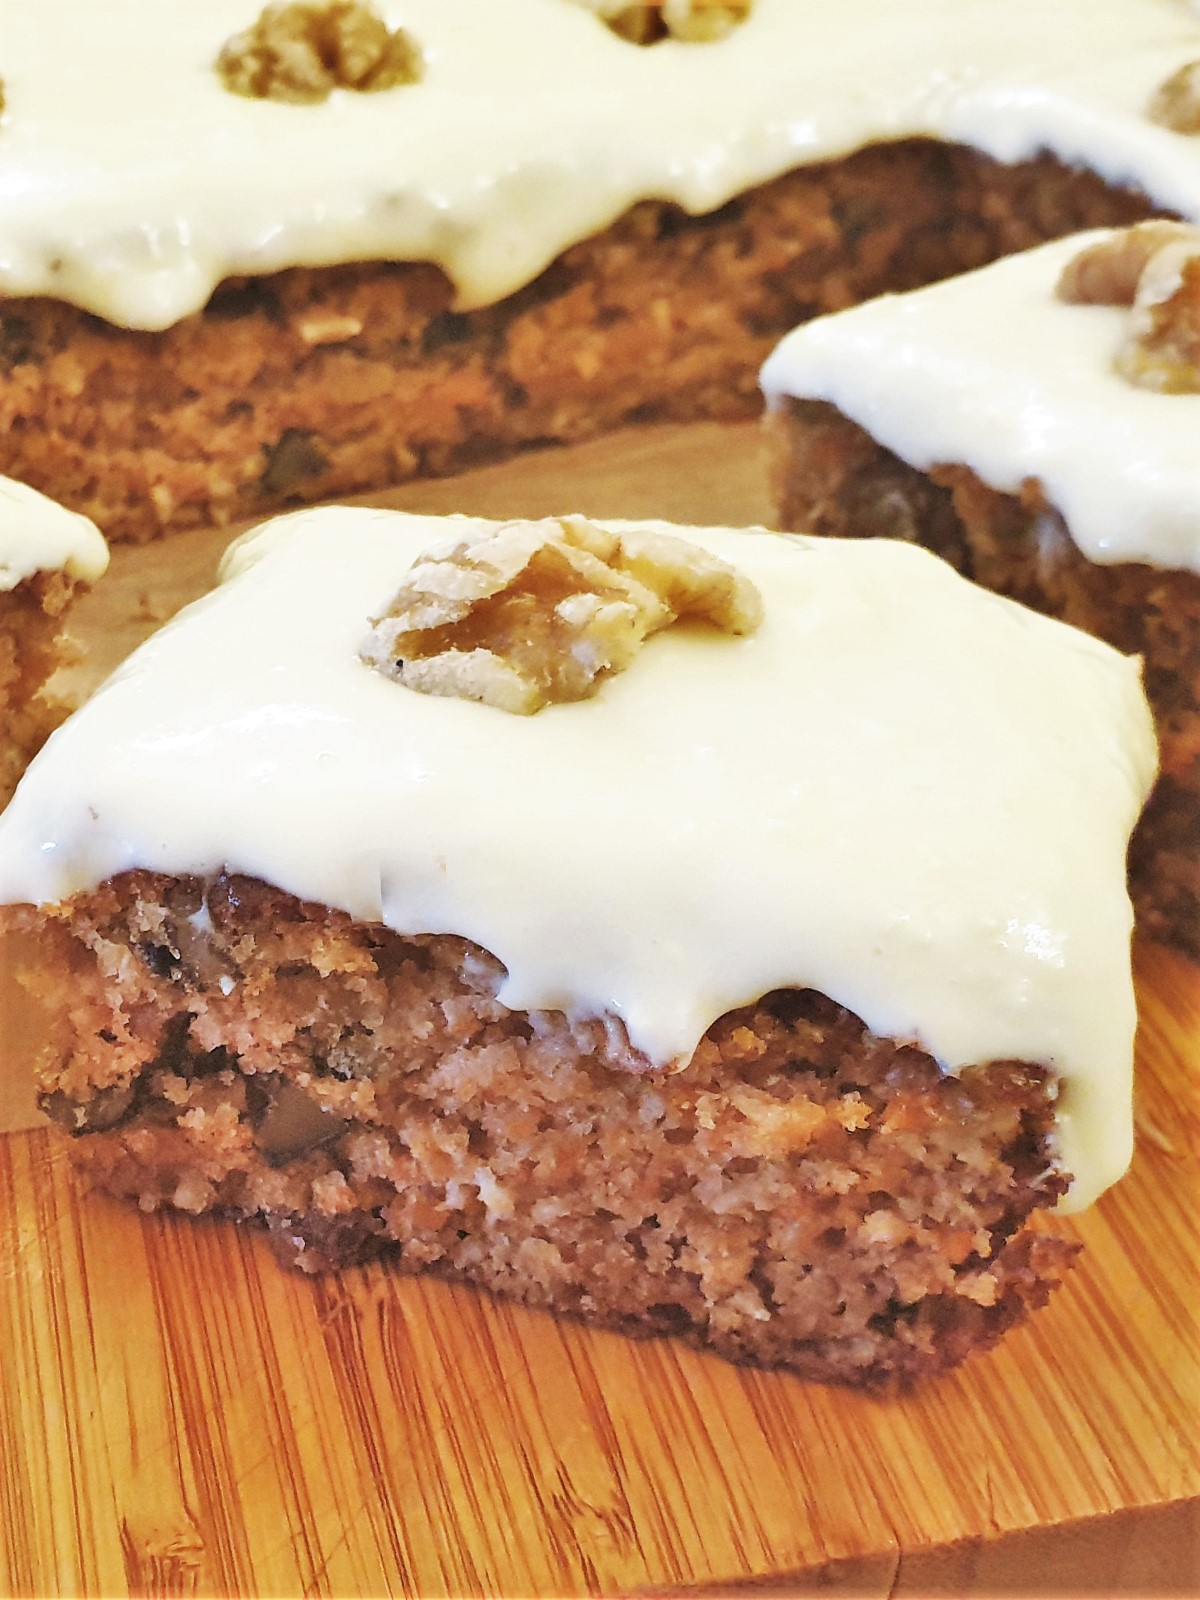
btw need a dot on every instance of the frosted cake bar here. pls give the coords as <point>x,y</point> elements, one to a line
<point>214,303</point>
<point>1036,423</point>
<point>758,987</point>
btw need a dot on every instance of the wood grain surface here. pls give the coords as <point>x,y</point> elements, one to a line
<point>179,1416</point>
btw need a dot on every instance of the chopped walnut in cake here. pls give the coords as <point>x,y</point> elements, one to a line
<point>1154,269</point>
<point>692,21</point>
<point>301,51</point>
<point>1176,104</point>
<point>536,613</point>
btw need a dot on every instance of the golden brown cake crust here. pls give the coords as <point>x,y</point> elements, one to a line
<point>831,477</point>
<point>803,1193</point>
<point>318,383</point>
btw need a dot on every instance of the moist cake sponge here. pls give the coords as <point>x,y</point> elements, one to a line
<point>46,555</point>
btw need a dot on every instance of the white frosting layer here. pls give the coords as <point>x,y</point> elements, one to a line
<point>131,182</point>
<point>39,535</point>
<point>993,372</point>
<point>900,790</point>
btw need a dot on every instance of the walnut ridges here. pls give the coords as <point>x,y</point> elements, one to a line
<point>1176,104</point>
<point>300,52</point>
<point>692,21</point>
<point>1155,270</point>
<point>538,612</point>
<point>1108,273</point>
<point>1163,348</point>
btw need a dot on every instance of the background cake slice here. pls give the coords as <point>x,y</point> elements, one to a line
<point>760,995</point>
<point>46,554</point>
<point>237,301</point>
<point>994,419</point>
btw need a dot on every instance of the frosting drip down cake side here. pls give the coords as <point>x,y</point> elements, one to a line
<point>395,963</point>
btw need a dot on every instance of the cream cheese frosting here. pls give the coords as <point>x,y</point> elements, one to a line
<point>131,182</point>
<point>900,790</point>
<point>39,535</point>
<point>993,372</point>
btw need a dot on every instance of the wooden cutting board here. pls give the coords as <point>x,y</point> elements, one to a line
<point>179,1416</point>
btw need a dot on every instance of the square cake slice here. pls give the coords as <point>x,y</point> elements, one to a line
<point>1037,423</point>
<point>709,932</point>
<point>46,554</point>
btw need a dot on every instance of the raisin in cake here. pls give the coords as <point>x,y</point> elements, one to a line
<point>1036,423</point>
<point>708,932</point>
<point>46,554</point>
<point>248,260</point>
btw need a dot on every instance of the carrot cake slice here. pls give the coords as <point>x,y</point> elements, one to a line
<point>1036,423</point>
<point>708,932</point>
<point>46,555</point>
<point>250,257</point>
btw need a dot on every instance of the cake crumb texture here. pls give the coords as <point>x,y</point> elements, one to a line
<point>317,383</point>
<point>801,1193</point>
<point>32,649</point>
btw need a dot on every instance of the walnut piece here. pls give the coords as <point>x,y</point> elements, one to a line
<point>302,50</point>
<point>692,21</point>
<point>536,613</point>
<point>1176,105</point>
<point>1162,350</point>
<point>1154,269</point>
<point>1108,273</point>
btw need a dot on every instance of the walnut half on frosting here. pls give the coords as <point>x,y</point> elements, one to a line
<point>301,51</point>
<point>691,21</point>
<point>536,613</point>
<point>1154,269</point>
<point>1176,104</point>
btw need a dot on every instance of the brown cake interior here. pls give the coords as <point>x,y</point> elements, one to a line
<point>832,477</point>
<point>31,650</point>
<point>318,383</point>
<point>801,1193</point>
